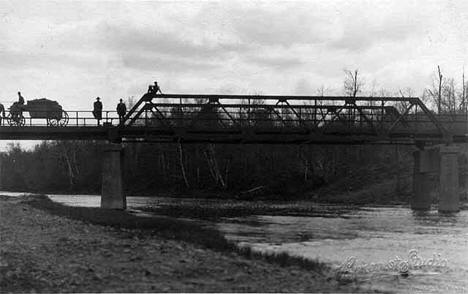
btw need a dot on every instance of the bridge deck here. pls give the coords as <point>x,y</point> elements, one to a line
<point>232,135</point>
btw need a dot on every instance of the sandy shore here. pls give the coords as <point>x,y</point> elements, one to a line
<point>42,252</point>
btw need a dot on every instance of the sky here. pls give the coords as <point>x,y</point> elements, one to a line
<point>74,51</point>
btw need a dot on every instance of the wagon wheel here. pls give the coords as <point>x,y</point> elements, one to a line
<point>19,120</point>
<point>52,121</point>
<point>57,121</point>
<point>64,120</point>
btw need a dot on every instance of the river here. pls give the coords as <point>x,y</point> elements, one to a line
<point>373,244</point>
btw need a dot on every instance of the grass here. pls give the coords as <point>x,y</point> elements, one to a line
<point>169,228</point>
<point>284,259</point>
<point>164,227</point>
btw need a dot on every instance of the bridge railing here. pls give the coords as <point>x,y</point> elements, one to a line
<point>86,118</point>
<point>54,119</point>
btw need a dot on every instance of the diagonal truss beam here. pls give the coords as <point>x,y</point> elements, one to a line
<point>400,117</point>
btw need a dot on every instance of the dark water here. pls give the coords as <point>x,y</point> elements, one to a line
<point>432,246</point>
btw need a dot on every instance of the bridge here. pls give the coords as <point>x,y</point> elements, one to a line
<point>247,119</point>
<point>256,119</point>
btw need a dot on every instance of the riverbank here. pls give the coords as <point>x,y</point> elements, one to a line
<point>114,251</point>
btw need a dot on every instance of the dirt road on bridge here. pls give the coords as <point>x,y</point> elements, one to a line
<point>42,252</point>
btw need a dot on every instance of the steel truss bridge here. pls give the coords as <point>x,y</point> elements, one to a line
<point>211,118</point>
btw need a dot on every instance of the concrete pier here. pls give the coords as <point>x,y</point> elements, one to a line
<point>423,166</point>
<point>449,198</point>
<point>112,196</point>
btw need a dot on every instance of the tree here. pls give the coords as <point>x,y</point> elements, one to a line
<point>464,99</point>
<point>445,95</point>
<point>434,94</point>
<point>439,93</point>
<point>352,83</point>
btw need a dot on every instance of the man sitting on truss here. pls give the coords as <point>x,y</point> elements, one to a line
<point>154,89</point>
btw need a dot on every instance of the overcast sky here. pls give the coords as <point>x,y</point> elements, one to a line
<point>73,51</point>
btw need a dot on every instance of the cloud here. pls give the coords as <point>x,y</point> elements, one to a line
<point>303,87</point>
<point>130,39</point>
<point>281,25</point>
<point>275,62</point>
<point>359,39</point>
<point>47,61</point>
<point>166,63</point>
<point>387,23</point>
<point>147,48</point>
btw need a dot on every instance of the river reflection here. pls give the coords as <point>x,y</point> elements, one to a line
<point>333,234</point>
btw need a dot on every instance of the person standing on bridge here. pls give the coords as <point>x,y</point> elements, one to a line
<point>2,113</point>
<point>97,110</point>
<point>121,111</point>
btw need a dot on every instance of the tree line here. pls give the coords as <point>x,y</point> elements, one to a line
<point>75,166</point>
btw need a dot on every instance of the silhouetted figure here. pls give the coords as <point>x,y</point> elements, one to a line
<point>2,113</point>
<point>17,108</point>
<point>121,111</point>
<point>97,110</point>
<point>154,89</point>
<point>20,99</point>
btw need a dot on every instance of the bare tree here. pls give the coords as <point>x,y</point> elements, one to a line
<point>321,91</point>
<point>130,102</point>
<point>446,95</point>
<point>67,153</point>
<point>434,95</point>
<point>439,94</point>
<point>215,172</point>
<point>182,166</point>
<point>464,103</point>
<point>448,98</point>
<point>403,105</point>
<point>352,83</point>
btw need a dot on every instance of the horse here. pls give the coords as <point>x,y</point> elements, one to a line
<point>16,112</point>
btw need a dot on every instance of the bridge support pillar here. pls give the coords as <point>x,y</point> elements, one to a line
<point>112,196</point>
<point>449,198</point>
<point>421,199</point>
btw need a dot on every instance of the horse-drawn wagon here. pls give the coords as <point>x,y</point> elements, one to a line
<point>50,110</point>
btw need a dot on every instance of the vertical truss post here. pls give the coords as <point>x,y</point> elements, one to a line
<point>382,115</point>
<point>146,116</point>
<point>315,111</point>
